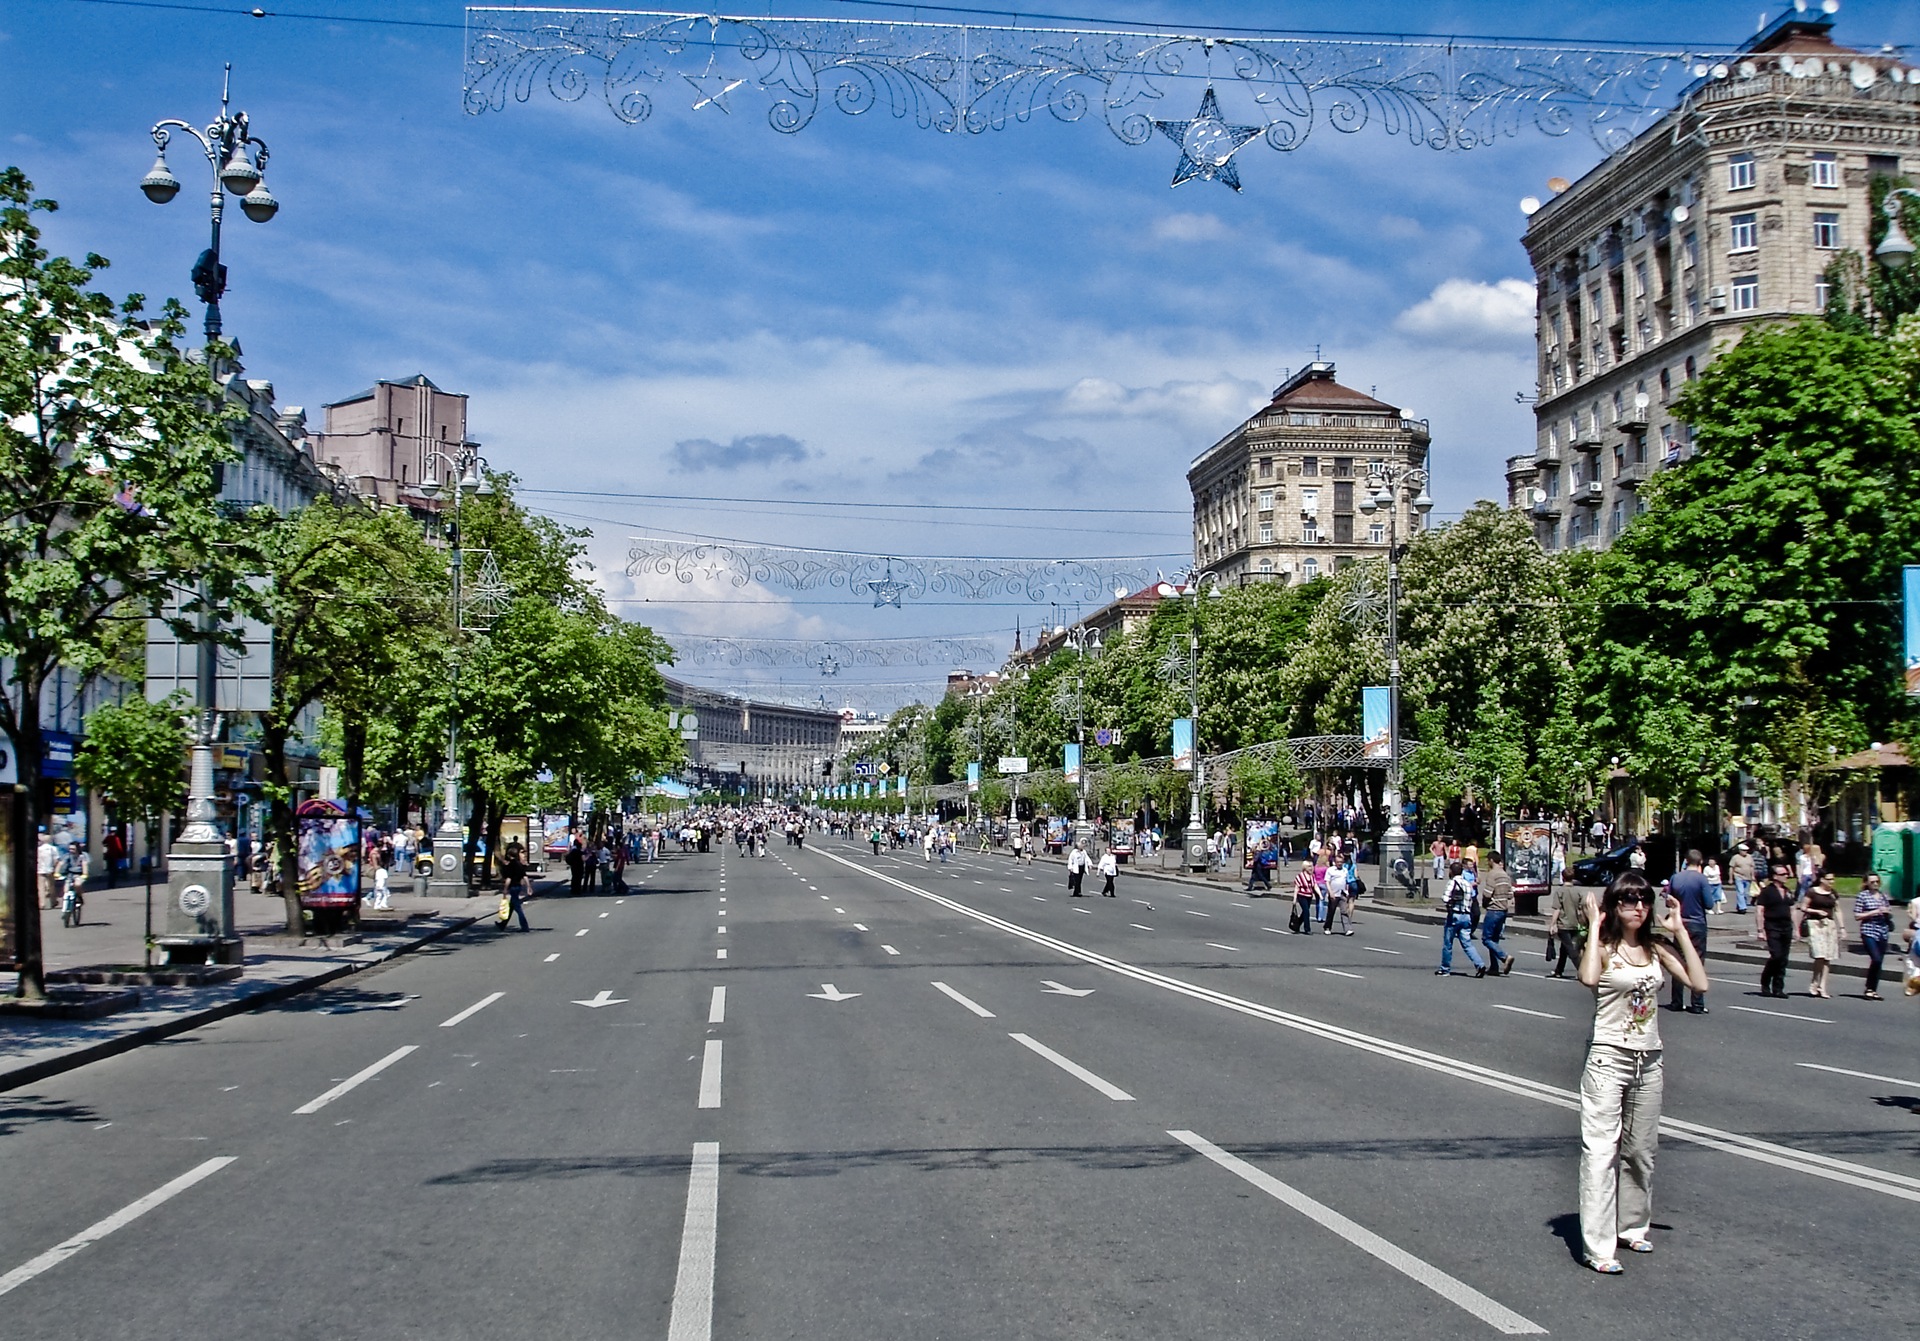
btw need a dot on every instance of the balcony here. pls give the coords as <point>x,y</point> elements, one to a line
<point>1548,455</point>
<point>1632,421</point>
<point>1633,474</point>
<point>1587,442</point>
<point>1545,507</point>
<point>1591,494</point>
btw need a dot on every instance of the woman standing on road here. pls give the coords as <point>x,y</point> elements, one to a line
<point>1822,923</point>
<point>1773,922</point>
<point>1620,1091</point>
<point>1873,913</point>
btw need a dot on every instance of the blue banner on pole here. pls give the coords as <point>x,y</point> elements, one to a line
<point>1183,744</point>
<point>1073,764</point>
<point>973,776</point>
<point>1910,599</point>
<point>1375,705</point>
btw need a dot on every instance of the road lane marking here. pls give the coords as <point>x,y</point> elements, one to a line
<point>315,1105</point>
<point>1863,1075</point>
<point>721,953</point>
<point>859,926</point>
<point>1454,1291</point>
<point>890,950</point>
<point>581,932</point>
<point>1781,1014</point>
<point>692,1316</point>
<point>550,958</point>
<point>717,1011</point>
<point>1136,926</point>
<point>1073,1068</point>
<point>1414,935</point>
<point>720,931</point>
<point>606,914</point>
<point>1798,1160</point>
<point>710,1075</point>
<point>121,1218</point>
<point>1215,945</point>
<point>474,1009</point>
<point>1083,912</point>
<point>1194,912</point>
<point>1374,949</point>
<point>970,1004</point>
<point>1522,1010</point>
<point>841,911</point>
<point>1338,973</point>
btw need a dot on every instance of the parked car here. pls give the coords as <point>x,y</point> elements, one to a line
<point>1600,869</point>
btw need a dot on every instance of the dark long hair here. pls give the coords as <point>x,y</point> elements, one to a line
<point>1612,930</point>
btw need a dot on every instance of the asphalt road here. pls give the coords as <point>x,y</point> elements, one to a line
<point>829,1095</point>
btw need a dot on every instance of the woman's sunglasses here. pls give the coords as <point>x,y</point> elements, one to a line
<point>1626,899</point>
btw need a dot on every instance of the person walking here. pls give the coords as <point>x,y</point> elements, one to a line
<point>1077,864</point>
<point>1339,900</point>
<point>1109,868</point>
<point>1621,1087</point>
<point>47,866</point>
<point>1305,892</point>
<point>1689,887</point>
<point>513,869</point>
<point>1822,925</point>
<point>926,846</point>
<point>1740,867</point>
<point>1773,922</point>
<point>1873,914</point>
<point>1565,925</point>
<point>1496,897</point>
<point>1462,912</point>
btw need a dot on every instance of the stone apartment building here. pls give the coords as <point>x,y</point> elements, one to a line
<point>1276,499</point>
<point>1724,214</point>
<point>379,439</point>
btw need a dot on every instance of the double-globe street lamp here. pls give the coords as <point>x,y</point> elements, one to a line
<point>1194,841</point>
<point>465,472</point>
<point>1085,643</point>
<point>1389,485</point>
<point>200,878</point>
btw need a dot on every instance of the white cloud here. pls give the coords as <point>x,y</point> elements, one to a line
<point>1189,228</point>
<point>1464,310</point>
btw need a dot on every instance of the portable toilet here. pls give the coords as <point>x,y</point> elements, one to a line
<point>1896,855</point>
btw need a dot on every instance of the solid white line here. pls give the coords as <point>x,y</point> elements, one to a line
<point>550,958</point>
<point>717,1012</point>
<point>1338,973</point>
<point>1522,1010</point>
<point>1416,935</point>
<point>1137,927</point>
<point>890,950</point>
<point>1073,1069</point>
<point>1374,948</point>
<point>692,1317</point>
<point>1276,931</point>
<point>474,1009</point>
<point>315,1105</point>
<point>1781,1014</point>
<point>1454,1291</point>
<point>970,1004</point>
<point>1792,1158</point>
<point>99,1229</point>
<point>1215,945</point>
<point>710,1075</point>
<point>1863,1075</point>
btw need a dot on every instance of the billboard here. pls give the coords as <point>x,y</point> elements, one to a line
<point>1072,764</point>
<point>1375,706</point>
<point>329,855</point>
<point>1013,763</point>
<point>1183,744</point>
<point>1528,848</point>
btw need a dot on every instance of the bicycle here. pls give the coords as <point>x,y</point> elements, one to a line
<point>72,907</point>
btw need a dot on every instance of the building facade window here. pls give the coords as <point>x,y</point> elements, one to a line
<point>1309,569</point>
<point>1310,501</point>
<point>1310,467</point>
<point>1743,233</point>
<point>1826,172</point>
<point>1822,294</point>
<point>1690,250</point>
<point>1266,500</point>
<point>1740,174</point>
<point>1746,294</point>
<point>1266,533</point>
<point>1826,231</point>
<point>1266,467</point>
<point>1376,533</point>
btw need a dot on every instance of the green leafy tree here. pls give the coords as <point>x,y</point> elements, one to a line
<point>135,756</point>
<point>111,444</point>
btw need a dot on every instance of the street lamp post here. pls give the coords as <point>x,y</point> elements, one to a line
<point>1896,248</point>
<point>465,471</point>
<point>1085,643</point>
<point>199,874</point>
<point>1389,486</point>
<point>1195,838</point>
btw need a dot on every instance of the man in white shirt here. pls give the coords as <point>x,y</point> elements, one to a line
<point>47,865</point>
<point>1077,863</point>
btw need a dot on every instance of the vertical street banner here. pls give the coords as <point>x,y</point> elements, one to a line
<point>1910,609</point>
<point>329,855</point>
<point>973,775</point>
<point>1183,744</point>
<point>1073,765</point>
<point>1374,709</point>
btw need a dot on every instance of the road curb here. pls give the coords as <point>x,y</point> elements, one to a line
<point>112,1047</point>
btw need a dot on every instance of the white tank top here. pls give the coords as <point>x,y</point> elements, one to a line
<point>1627,1004</point>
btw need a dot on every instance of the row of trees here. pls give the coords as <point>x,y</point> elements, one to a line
<point>112,445</point>
<point>1747,619</point>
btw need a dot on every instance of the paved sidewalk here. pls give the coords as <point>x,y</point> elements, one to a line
<point>112,934</point>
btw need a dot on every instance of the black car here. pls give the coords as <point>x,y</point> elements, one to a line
<point>1600,869</point>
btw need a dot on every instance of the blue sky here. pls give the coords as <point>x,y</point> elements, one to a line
<point>862,311</point>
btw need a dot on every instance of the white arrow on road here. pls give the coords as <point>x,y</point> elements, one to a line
<point>605,998</point>
<point>1061,989</point>
<point>828,992</point>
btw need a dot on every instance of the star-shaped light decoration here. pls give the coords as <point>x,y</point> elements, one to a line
<point>886,591</point>
<point>485,596</point>
<point>1207,144</point>
<point>1173,663</point>
<point>713,89</point>
<point>1366,605</point>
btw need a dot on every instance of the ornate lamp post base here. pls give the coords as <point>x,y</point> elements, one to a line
<point>1396,852</point>
<point>1195,839</point>
<point>449,879</point>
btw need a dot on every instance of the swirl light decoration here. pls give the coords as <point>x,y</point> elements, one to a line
<point>832,656</point>
<point>968,79</point>
<point>891,577</point>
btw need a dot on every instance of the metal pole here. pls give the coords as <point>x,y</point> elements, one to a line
<point>1196,835</point>
<point>449,880</point>
<point>1396,844</point>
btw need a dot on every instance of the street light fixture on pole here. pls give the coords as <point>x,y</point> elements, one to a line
<point>1195,838</point>
<point>465,471</point>
<point>1085,643</point>
<point>1390,484</point>
<point>199,875</point>
<point>1896,248</point>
